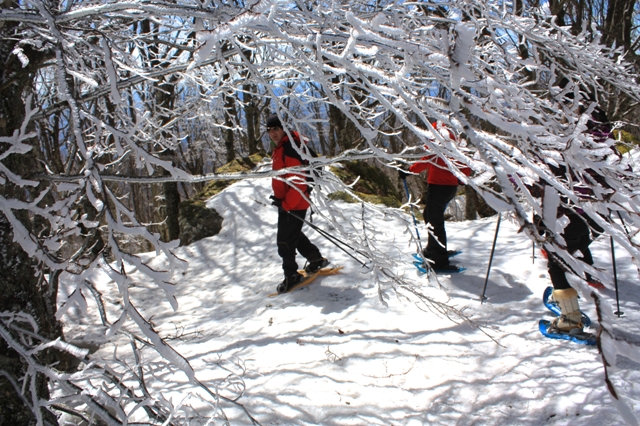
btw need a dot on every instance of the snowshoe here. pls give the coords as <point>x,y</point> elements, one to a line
<point>576,335</point>
<point>453,253</point>
<point>553,306</point>
<point>450,254</point>
<point>307,279</point>
<point>424,266</point>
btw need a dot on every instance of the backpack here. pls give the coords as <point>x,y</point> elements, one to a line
<point>290,151</point>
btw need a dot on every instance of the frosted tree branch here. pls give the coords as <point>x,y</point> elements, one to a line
<point>464,68</point>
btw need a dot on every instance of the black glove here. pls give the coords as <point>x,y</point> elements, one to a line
<point>276,202</point>
<point>402,174</point>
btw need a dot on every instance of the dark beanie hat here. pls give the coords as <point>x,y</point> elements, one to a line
<point>273,121</point>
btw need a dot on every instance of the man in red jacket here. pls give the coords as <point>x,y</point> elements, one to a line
<point>290,195</point>
<point>442,186</point>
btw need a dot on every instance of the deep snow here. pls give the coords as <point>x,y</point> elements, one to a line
<point>333,354</point>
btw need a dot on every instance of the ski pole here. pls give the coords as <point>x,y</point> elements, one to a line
<point>615,278</point>
<point>415,222</point>
<point>613,259</point>
<point>533,252</point>
<point>325,234</point>
<point>329,236</point>
<point>335,241</point>
<point>493,249</point>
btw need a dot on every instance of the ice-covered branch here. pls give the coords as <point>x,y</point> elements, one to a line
<point>387,73</point>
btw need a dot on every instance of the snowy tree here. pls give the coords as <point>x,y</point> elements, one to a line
<point>105,72</point>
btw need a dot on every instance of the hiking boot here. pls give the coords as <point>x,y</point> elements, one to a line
<point>316,265</point>
<point>568,323</point>
<point>289,282</point>
<point>567,300</point>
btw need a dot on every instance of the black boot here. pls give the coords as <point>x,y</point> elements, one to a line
<point>289,282</point>
<point>316,265</point>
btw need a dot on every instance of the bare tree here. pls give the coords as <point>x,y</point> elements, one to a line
<point>416,63</point>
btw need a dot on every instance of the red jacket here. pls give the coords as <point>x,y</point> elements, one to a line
<point>438,173</point>
<point>284,186</point>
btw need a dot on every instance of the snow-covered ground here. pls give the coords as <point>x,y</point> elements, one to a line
<point>333,354</point>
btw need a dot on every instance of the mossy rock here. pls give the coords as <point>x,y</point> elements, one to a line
<point>197,222</point>
<point>627,141</point>
<point>373,186</point>
<point>373,199</point>
<point>342,196</point>
<point>239,165</point>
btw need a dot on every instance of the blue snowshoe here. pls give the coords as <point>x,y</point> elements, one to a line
<point>420,264</point>
<point>576,335</point>
<point>553,306</point>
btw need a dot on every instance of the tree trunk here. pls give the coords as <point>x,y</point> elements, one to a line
<point>23,284</point>
<point>557,8</point>
<point>336,124</point>
<point>252,115</point>
<point>618,25</point>
<point>470,205</point>
<point>475,206</point>
<point>172,204</point>
<point>164,93</point>
<point>229,109</point>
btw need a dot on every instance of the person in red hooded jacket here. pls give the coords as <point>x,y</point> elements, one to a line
<point>290,195</point>
<point>442,186</point>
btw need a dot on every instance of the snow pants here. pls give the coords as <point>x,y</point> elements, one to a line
<point>577,237</point>
<point>290,238</point>
<point>436,200</point>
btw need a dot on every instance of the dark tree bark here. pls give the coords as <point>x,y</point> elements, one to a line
<point>618,24</point>
<point>229,112</point>
<point>252,114</point>
<point>165,94</point>
<point>251,105</point>
<point>23,287</point>
<point>172,204</point>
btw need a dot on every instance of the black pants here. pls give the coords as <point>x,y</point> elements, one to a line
<point>290,238</point>
<point>438,196</point>
<point>577,237</point>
